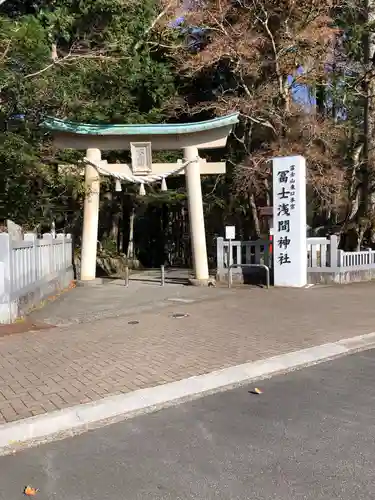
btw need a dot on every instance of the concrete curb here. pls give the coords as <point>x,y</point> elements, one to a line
<point>80,418</point>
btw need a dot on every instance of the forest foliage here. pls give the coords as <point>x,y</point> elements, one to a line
<point>300,72</point>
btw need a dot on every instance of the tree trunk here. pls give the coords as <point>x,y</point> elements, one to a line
<point>369,122</point>
<point>130,251</point>
<point>321,100</point>
<point>115,227</point>
<point>254,213</point>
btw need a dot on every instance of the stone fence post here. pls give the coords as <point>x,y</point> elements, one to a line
<point>333,251</point>
<point>5,278</point>
<point>220,257</point>
<point>35,261</point>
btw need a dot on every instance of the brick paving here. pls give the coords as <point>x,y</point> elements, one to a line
<point>51,369</point>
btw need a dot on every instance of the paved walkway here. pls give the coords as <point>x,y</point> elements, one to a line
<point>113,299</point>
<point>52,369</point>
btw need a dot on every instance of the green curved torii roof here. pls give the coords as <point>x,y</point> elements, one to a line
<point>57,125</point>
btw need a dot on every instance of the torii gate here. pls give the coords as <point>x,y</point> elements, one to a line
<point>141,140</point>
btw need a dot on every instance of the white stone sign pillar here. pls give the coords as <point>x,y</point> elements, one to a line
<point>289,221</point>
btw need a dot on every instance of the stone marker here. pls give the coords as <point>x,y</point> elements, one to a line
<point>289,221</point>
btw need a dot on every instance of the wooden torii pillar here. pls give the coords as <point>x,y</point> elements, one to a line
<point>141,140</point>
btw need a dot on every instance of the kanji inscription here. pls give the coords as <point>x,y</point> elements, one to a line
<point>289,200</point>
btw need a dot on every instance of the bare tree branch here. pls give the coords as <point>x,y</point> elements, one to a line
<point>157,19</point>
<point>71,58</point>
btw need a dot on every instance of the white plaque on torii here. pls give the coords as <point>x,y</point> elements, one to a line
<point>141,158</point>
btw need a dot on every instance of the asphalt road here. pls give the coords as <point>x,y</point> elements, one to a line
<point>310,435</point>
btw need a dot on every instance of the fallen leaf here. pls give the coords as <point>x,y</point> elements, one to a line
<point>30,491</point>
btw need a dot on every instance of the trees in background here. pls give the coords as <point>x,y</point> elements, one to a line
<point>302,75</point>
<point>300,72</point>
<point>77,60</point>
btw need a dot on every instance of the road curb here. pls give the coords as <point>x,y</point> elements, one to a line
<point>80,418</point>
